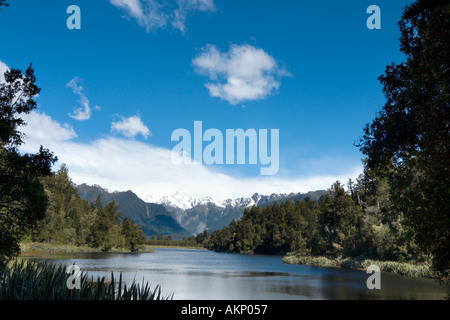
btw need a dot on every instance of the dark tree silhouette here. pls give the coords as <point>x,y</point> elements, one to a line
<point>23,201</point>
<point>409,141</point>
<point>3,3</point>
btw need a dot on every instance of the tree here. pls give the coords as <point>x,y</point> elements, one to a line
<point>68,217</point>
<point>340,222</point>
<point>409,141</point>
<point>106,232</point>
<point>3,3</point>
<point>133,234</point>
<point>23,201</point>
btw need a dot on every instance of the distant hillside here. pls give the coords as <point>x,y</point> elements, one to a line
<point>182,216</point>
<point>269,200</point>
<point>197,215</point>
<point>154,218</point>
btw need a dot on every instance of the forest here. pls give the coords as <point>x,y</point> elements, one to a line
<point>162,240</point>
<point>397,210</point>
<point>356,223</point>
<point>72,220</point>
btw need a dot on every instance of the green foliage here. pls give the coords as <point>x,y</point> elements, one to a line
<point>134,237</point>
<point>408,143</point>
<point>67,216</point>
<point>340,224</point>
<point>275,229</point>
<point>154,218</point>
<point>23,201</point>
<point>105,230</point>
<point>71,220</point>
<point>161,240</point>
<point>25,280</point>
<point>420,270</point>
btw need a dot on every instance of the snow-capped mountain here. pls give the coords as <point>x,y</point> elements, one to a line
<point>180,214</point>
<point>183,201</point>
<point>153,218</point>
<point>178,200</point>
<point>197,215</point>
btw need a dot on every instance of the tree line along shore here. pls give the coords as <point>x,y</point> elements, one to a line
<point>344,228</point>
<point>397,212</point>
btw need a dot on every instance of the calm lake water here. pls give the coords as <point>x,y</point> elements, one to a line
<point>206,275</point>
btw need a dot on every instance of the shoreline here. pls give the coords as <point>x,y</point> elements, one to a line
<point>416,270</point>
<point>38,248</point>
<point>175,247</point>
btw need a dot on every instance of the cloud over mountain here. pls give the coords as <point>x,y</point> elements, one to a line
<point>126,164</point>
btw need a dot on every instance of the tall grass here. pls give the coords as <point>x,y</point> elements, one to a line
<point>28,280</point>
<point>420,270</point>
<point>36,247</point>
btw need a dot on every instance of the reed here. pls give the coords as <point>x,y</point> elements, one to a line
<point>30,280</point>
<point>54,248</point>
<point>37,247</point>
<point>419,270</point>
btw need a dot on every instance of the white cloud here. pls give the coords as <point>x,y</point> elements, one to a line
<point>41,129</point>
<point>3,69</point>
<point>131,127</point>
<point>155,14</point>
<point>148,13</point>
<point>244,73</point>
<point>187,7</point>
<point>124,164</point>
<point>84,112</point>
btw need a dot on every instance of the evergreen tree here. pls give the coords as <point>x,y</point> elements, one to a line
<point>106,231</point>
<point>409,141</point>
<point>133,234</point>
<point>23,201</point>
<point>71,220</point>
<point>338,225</point>
<point>340,222</point>
<point>67,215</point>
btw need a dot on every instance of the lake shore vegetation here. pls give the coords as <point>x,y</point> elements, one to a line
<point>30,280</point>
<point>347,229</point>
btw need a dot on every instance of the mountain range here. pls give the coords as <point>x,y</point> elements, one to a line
<point>181,215</point>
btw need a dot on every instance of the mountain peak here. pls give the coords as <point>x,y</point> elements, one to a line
<point>182,214</point>
<point>179,199</point>
<point>184,201</point>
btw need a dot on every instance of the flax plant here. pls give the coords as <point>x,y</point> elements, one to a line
<point>28,280</point>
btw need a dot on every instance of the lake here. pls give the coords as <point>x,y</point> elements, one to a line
<point>192,274</point>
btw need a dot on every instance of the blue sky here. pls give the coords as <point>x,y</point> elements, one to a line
<point>147,67</point>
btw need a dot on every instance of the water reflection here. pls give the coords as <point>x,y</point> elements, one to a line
<point>205,275</point>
